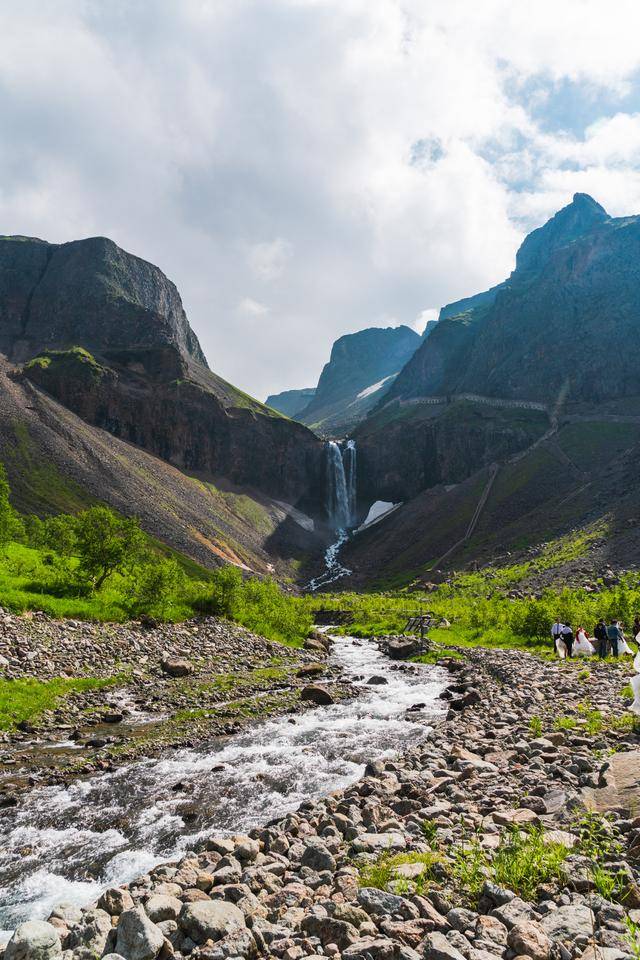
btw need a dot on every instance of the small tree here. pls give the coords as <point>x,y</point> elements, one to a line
<point>60,533</point>
<point>11,526</point>
<point>106,543</point>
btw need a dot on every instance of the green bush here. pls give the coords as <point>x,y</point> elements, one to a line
<point>106,543</point>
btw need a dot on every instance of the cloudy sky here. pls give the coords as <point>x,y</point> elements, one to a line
<point>304,168</point>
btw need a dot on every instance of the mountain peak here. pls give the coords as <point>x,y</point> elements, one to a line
<point>575,220</point>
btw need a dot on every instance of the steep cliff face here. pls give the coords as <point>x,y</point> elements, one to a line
<point>105,333</point>
<point>361,369</point>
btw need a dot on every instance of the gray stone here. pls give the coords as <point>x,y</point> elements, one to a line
<point>569,922</point>
<point>515,911</point>
<point>176,667</point>
<point>378,903</point>
<point>159,908</point>
<point>210,920</point>
<point>34,940</point>
<point>137,937</point>
<point>317,857</point>
<point>330,930</point>
<point>378,842</point>
<point>379,948</point>
<point>437,947</point>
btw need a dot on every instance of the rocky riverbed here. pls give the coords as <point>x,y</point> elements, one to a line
<point>162,687</point>
<point>411,861</point>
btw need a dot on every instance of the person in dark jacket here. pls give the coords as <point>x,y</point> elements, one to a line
<point>614,635</point>
<point>567,637</point>
<point>600,633</point>
<point>636,626</point>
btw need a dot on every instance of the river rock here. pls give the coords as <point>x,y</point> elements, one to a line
<point>315,693</point>
<point>379,948</point>
<point>176,667</point>
<point>317,857</point>
<point>438,947</point>
<point>528,939</point>
<point>210,920</point>
<point>402,648</point>
<point>115,901</point>
<point>137,938</point>
<point>379,902</point>
<point>34,940</point>
<point>568,923</point>
<point>159,908</point>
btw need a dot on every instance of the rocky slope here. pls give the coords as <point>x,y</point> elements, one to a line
<point>360,370</point>
<point>59,463</point>
<point>105,333</point>
<point>409,862</point>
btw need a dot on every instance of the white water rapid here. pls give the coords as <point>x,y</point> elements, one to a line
<point>70,843</point>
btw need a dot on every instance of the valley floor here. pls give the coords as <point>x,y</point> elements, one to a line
<point>511,829</point>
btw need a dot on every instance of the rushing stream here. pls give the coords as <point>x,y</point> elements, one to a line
<point>70,843</point>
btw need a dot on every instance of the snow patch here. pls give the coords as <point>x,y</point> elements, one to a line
<point>375,387</point>
<point>377,511</point>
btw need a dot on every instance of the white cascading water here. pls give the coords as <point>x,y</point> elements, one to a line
<point>337,491</point>
<point>341,497</point>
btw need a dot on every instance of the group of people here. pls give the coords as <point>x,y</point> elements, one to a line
<point>607,639</point>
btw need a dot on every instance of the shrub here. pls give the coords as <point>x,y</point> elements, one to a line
<point>154,585</point>
<point>11,525</point>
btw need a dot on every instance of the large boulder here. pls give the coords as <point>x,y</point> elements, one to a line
<point>160,907</point>
<point>137,938</point>
<point>34,940</point>
<point>403,647</point>
<point>210,920</point>
<point>176,667</point>
<point>314,693</point>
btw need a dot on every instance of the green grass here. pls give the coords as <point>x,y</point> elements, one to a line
<point>25,699</point>
<point>382,872</point>
<point>524,862</point>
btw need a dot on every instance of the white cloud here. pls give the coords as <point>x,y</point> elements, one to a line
<point>269,260</point>
<point>344,161</point>
<point>252,308</point>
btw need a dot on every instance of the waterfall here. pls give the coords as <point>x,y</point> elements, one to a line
<point>349,460</point>
<point>341,484</point>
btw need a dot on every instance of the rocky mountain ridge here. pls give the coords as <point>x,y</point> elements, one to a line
<point>361,369</point>
<point>105,333</point>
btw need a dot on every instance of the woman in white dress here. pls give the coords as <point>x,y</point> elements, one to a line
<point>582,646</point>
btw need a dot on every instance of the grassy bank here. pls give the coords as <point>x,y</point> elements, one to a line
<point>25,699</point>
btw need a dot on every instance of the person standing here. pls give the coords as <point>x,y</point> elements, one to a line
<point>567,639</point>
<point>613,636</point>
<point>600,633</point>
<point>556,632</point>
<point>636,626</point>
